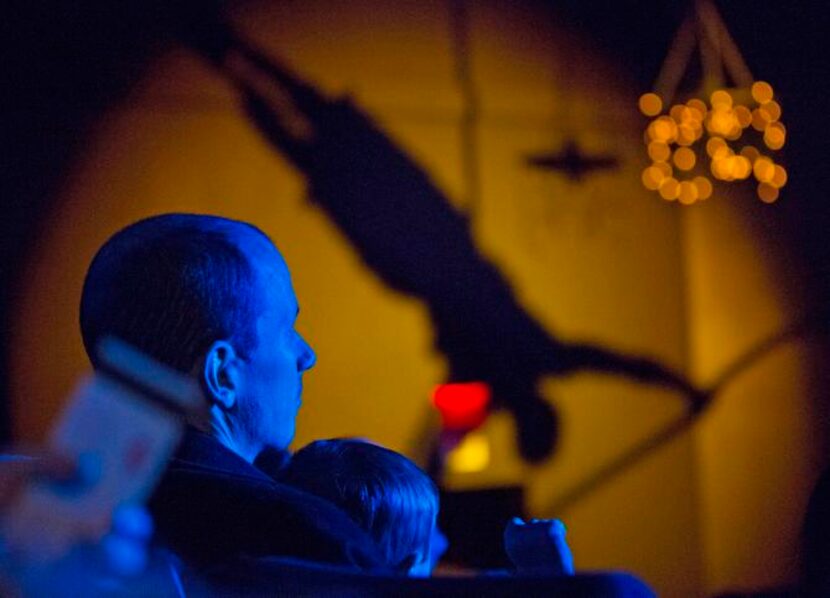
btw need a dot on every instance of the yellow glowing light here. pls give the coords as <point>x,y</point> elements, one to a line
<point>764,169</point>
<point>664,167</point>
<point>684,158</point>
<point>735,132</point>
<point>669,188</point>
<point>693,115</point>
<point>741,167</point>
<point>779,177</point>
<point>722,168</point>
<point>733,168</point>
<point>775,136</point>
<point>715,145</point>
<point>767,192</point>
<point>471,455</point>
<point>686,135</point>
<point>720,98</point>
<point>750,153</point>
<point>722,153</point>
<point>676,113</point>
<point>664,129</point>
<point>687,193</point>
<point>652,176</point>
<point>716,167</point>
<point>698,106</point>
<point>762,92</point>
<point>650,104</point>
<point>743,115</point>
<point>721,121</point>
<point>772,109</point>
<point>704,187</point>
<point>760,119</point>
<point>658,151</point>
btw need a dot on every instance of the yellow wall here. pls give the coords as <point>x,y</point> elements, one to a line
<point>600,260</point>
<point>759,445</point>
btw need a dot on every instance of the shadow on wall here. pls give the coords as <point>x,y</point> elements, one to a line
<point>409,234</point>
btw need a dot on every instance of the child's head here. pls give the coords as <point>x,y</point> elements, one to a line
<point>383,491</point>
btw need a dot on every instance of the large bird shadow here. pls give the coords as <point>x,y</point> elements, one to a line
<point>409,234</point>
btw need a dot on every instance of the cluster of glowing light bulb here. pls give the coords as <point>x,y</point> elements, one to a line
<point>671,138</point>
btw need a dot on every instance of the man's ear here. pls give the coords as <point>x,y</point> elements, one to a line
<point>220,376</point>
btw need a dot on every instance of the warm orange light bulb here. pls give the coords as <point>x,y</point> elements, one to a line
<point>659,151</point>
<point>760,119</point>
<point>750,153</point>
<point>741,168</point>
<point>650,104</point>
<point>664,129</point>
<point>720,168</point>
<point>762,92</point>
<point>686,135</point>
<point>767,192</point>
<point>743,116</point>
<point>775,135</point>
<point>687,193</point>
<point>764,169</point>
<point>772,109</point>
<point>699,105</point>
<point>714,146</point>
<point>722,120</point>
<point>779,177</point>
<point>704,187</point>
<point>669,188</point>
<point>720,99</point>
<point>652,177</point>
<point>676,113</point>
<point>684,158</point>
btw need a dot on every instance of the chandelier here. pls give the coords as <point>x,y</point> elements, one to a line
<point>729,134</point>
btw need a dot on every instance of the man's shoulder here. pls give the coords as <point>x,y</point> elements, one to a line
<point>214,510</point>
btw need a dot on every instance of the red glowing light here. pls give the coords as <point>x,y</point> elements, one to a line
<point>462,405</point>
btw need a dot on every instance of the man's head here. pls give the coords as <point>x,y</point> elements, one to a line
<point>381,490</point>
<point>211,297</point>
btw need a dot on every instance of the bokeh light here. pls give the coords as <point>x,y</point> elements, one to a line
<point>651,104</point>
<point>764,169</point>
<point>720,99</point>
<point>687,193</point>
<point>750,152</point>
<point>760,119</point>
<point>665,168</point>
<point>699,106</point>
<point>688,132</point>
<point>779,176</point>
<point>716,148</point>
<point>659,151</point>
<point>471,455</point>
<point>775,136</point>
<point>767,193</point>
<point>704,187</point>
<point>743,116</point>
<point>652,176</point>
<point>762,92</point>
<point>669,188</point>
<point>741,167</point>
<point>772,110</point>
<point>684,158</point>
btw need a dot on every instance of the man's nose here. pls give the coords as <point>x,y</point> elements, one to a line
<point>307,357</point>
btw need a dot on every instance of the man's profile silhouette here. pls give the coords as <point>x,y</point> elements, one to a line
<point>212,297</point>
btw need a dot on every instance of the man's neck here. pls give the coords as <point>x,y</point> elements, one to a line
<point>220,429</point>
